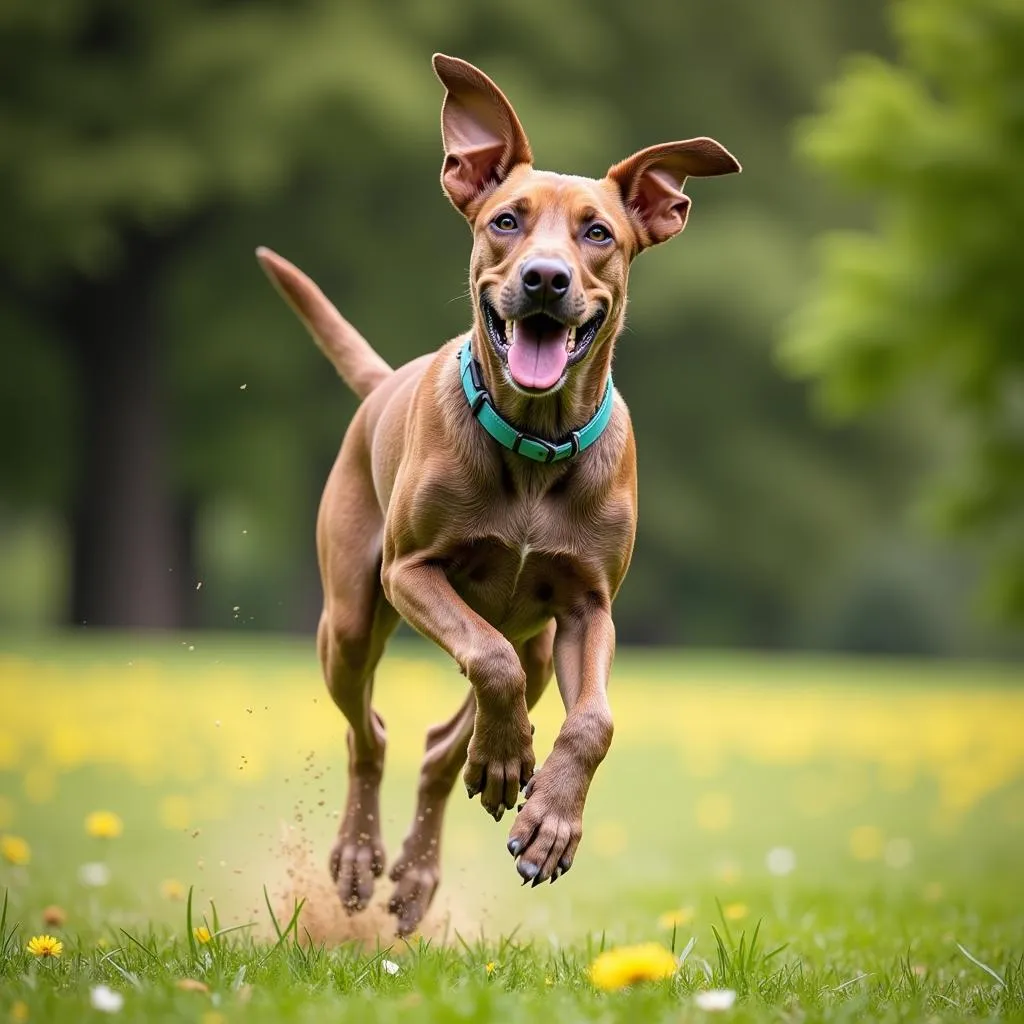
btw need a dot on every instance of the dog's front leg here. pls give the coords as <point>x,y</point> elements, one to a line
<point>500,759</point>
<point>548,829</point>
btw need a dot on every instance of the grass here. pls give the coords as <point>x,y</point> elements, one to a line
<point>830,839</point>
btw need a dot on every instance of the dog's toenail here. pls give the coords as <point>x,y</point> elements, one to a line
<point>527,870</point>
<point>514,847</point>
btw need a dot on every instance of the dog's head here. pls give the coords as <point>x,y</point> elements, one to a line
<point>551,252</point>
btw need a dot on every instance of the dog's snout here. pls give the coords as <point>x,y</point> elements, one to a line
<point>545,278</point>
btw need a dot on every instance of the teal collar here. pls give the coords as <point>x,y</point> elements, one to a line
<point>535,448</point>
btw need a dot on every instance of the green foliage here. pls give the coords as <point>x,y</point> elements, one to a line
<point>928,299</point>
<point>175,137</point>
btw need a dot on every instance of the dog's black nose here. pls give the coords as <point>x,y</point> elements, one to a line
<point>545,278</point>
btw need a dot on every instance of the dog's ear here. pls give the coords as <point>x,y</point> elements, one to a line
<point>483,139</point>
<point>651,184</point>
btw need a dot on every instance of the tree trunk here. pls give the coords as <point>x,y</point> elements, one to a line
<point>126,561</point>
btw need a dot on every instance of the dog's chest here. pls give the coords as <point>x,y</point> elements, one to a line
<point>514,583</point>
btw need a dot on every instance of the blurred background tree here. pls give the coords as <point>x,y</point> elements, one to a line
<point>166,423</point>
<point>929,297</point>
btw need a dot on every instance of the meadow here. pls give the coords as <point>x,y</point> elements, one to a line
<point>806,838</point>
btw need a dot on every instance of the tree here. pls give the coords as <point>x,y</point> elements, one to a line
<point>126,131</point>
<point>929,299</point>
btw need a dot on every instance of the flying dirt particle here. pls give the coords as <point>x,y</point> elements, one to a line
<point>195,834</point>
<point>242,387</point>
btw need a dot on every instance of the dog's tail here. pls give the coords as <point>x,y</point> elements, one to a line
<point>349,352</point>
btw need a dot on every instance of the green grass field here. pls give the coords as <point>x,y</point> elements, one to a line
<point>865,819</point>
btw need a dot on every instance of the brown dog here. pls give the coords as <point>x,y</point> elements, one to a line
<point>505,544</point>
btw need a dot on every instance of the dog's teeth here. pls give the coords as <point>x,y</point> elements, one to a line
<point>571,343</point>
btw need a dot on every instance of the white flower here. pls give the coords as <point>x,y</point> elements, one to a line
<point>106,1000</point>
<point>715,999</point>
<point>94,873</point>
<point>899,853</point>
<point>390,966</point>
<point>780,860</point>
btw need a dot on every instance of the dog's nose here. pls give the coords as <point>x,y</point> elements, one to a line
<point>545,278</point>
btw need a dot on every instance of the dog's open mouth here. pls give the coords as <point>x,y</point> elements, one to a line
<point>538,348</point>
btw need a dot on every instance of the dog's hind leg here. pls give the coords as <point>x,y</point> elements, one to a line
<point>354,627</point>
<point>417,871</point>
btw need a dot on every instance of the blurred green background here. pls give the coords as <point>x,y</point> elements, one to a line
<point>806,413</point>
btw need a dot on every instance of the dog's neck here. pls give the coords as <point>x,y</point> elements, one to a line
<point>553,416</point>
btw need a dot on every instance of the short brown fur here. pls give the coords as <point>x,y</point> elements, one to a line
<point>510,566</point>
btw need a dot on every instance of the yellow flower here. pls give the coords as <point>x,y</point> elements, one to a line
<point>45,946</point>
<point>104,825</point>
<point>15,850</point>
<point>489,966</point>
<point>714,812</point>
<point>866,842</point>
<point>202,934</point>
<point>676,918</point>
<point>627,965</point>
<point>172,889</point>
<point>19,1012</point>
<point>734,911</point>
<point>212,1017</point>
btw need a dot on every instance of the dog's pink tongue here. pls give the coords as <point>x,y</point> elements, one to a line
<point>538,355</point>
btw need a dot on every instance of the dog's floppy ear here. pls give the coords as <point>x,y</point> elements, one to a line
<point>651,184</point>
<point>483,139</point>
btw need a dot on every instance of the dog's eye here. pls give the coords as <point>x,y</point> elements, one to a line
<point>598,233</point>
<point>505,222</point>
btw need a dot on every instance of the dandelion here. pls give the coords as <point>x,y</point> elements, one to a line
<point>390,967</point>
<point>104,825</point>
<point>627,965</point>
<point>212,1017</point>
<point>715,999</point>
<point>489,966</point>
<point>714,812</point>
<point>94,874</point>
<point>19,1012</point>
<point>54,916</point>
<point>106,1000</point>
<point>172,889</point>
<point>676,918</point>
<point>15,850</point>
<point>202,934</point>
<point>45,947</point>
<point>780,861</point>
<point>735,911</point>
<point>866,842</point>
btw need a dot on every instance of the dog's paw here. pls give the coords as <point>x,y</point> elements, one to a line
<point>356,862</point>
<point>545,835</point>
<point>416,880</point>
<point>500,761</point>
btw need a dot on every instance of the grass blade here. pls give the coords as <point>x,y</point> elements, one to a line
<point>188,926</point>
<point>985,967</point>
<point>145,949</point>
<point>273,916</point>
